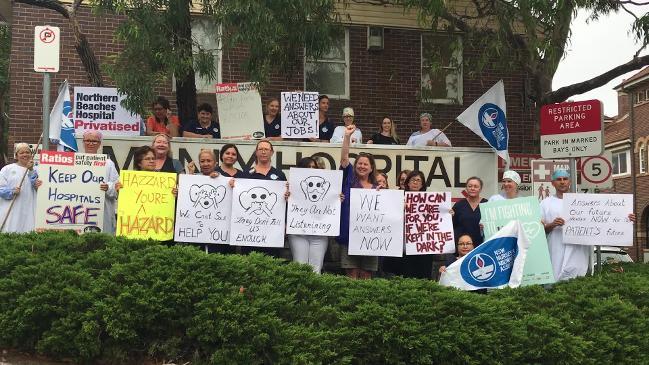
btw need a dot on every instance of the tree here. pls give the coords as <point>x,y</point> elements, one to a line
<point>529,34</point>
<point>85,52</point>
<point>158,42</point>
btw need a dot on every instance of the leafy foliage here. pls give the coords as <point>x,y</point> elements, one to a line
<point>97,298</point>
<point>531,35</point>
<point>157,43</point>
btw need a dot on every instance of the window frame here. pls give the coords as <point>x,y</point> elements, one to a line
<point>459,57</point>
<point>346,95</point>
<point>219,73</point>
<point>627,155</point>
<point>642,160</point>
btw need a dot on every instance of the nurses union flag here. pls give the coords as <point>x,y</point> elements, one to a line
<point>496,263</point>
<point>61,120</point>
<point>486,117</point>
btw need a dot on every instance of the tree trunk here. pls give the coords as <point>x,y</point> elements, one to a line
<point>185,86</point>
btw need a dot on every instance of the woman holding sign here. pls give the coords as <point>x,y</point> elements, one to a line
<point>360,175</point>
<point>18,184</point>
<point>307,249</point>
<point>413,266</point>
<point>91,142</point>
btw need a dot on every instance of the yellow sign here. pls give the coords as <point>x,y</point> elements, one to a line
<point>146,205</point>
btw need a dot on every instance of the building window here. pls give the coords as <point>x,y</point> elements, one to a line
<point>640,96</point>
<point>329,74</point>
<point>441,68</point>
<point>642,160</point>
<point>621,161</point>
<point>206,37</point>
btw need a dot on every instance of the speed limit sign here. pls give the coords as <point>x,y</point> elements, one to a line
<point>597,172</point>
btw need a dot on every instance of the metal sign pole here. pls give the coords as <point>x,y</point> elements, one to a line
<point>46,111</point>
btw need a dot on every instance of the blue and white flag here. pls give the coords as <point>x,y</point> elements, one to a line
<point>62,121</point>
<point>487,118</point>
<point>496,263</point>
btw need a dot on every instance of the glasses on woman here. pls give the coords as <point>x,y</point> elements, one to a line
<point>91,141</point>
<point>465,244</point>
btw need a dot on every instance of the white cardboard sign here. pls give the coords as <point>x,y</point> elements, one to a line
<point>598,219</point>
<point>70,197</point>
<point>314,203</point>
<point>376,222</point>
<point>300,115</point>
<point>203,209</point>
<point>258,213</point>
<point>239,108</point>
<point>100,109</point>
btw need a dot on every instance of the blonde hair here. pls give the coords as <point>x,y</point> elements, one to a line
<point>209,152</point>
<point>21,146</point>
<point>393,128</point>
<point>168,138</point>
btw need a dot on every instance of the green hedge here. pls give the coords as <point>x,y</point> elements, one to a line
<point>95,298</point>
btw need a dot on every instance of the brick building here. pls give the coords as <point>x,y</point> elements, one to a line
<point>630,151</point>
<point>377,69</point>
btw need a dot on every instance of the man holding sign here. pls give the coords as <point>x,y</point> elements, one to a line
<point>568,260</point>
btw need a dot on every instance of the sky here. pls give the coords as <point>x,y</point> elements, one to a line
<point>593,49</point>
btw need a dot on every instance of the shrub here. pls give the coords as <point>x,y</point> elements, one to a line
<point>95,298</point>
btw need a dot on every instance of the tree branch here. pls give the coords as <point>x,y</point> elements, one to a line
<point>579,88</point>
<point>48,4</point>
<point>81,44</point>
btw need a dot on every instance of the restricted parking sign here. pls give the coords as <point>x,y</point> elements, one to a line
<point>572,129</point>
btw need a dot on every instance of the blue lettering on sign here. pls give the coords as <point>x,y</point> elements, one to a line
<point>490,264</point>
<point>494,126</point>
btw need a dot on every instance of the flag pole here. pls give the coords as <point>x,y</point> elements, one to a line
<point>13,199</point>
<point>442,131</point>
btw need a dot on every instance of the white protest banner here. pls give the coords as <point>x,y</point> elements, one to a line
<point>314,203</point>
<point>597,219</point>
<point>203,211</point>
<point>446,170</point>
<point>70,197</point>
<point>300,115</point>
<point>376,222</point>
<point>258,212</point>
<point>239,107</point>
<point>100,109</point>
<point>428,223</point>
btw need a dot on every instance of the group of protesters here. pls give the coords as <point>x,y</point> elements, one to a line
<point>19,182</point>
<point>204,126</point>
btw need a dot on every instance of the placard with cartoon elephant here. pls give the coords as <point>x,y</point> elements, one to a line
<point>204,207</point>
<point>258,213</point>
<point>314,203</point>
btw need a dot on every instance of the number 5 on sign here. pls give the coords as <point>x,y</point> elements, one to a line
<point>597,172</point>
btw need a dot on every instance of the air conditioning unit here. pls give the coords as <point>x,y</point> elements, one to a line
<point>374,38</point>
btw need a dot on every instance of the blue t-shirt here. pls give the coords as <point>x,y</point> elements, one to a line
<point>274,129</point>
<point>273,174</point>
<point>195,127</point>
<point>326,130</point>
<point>349,182</point>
